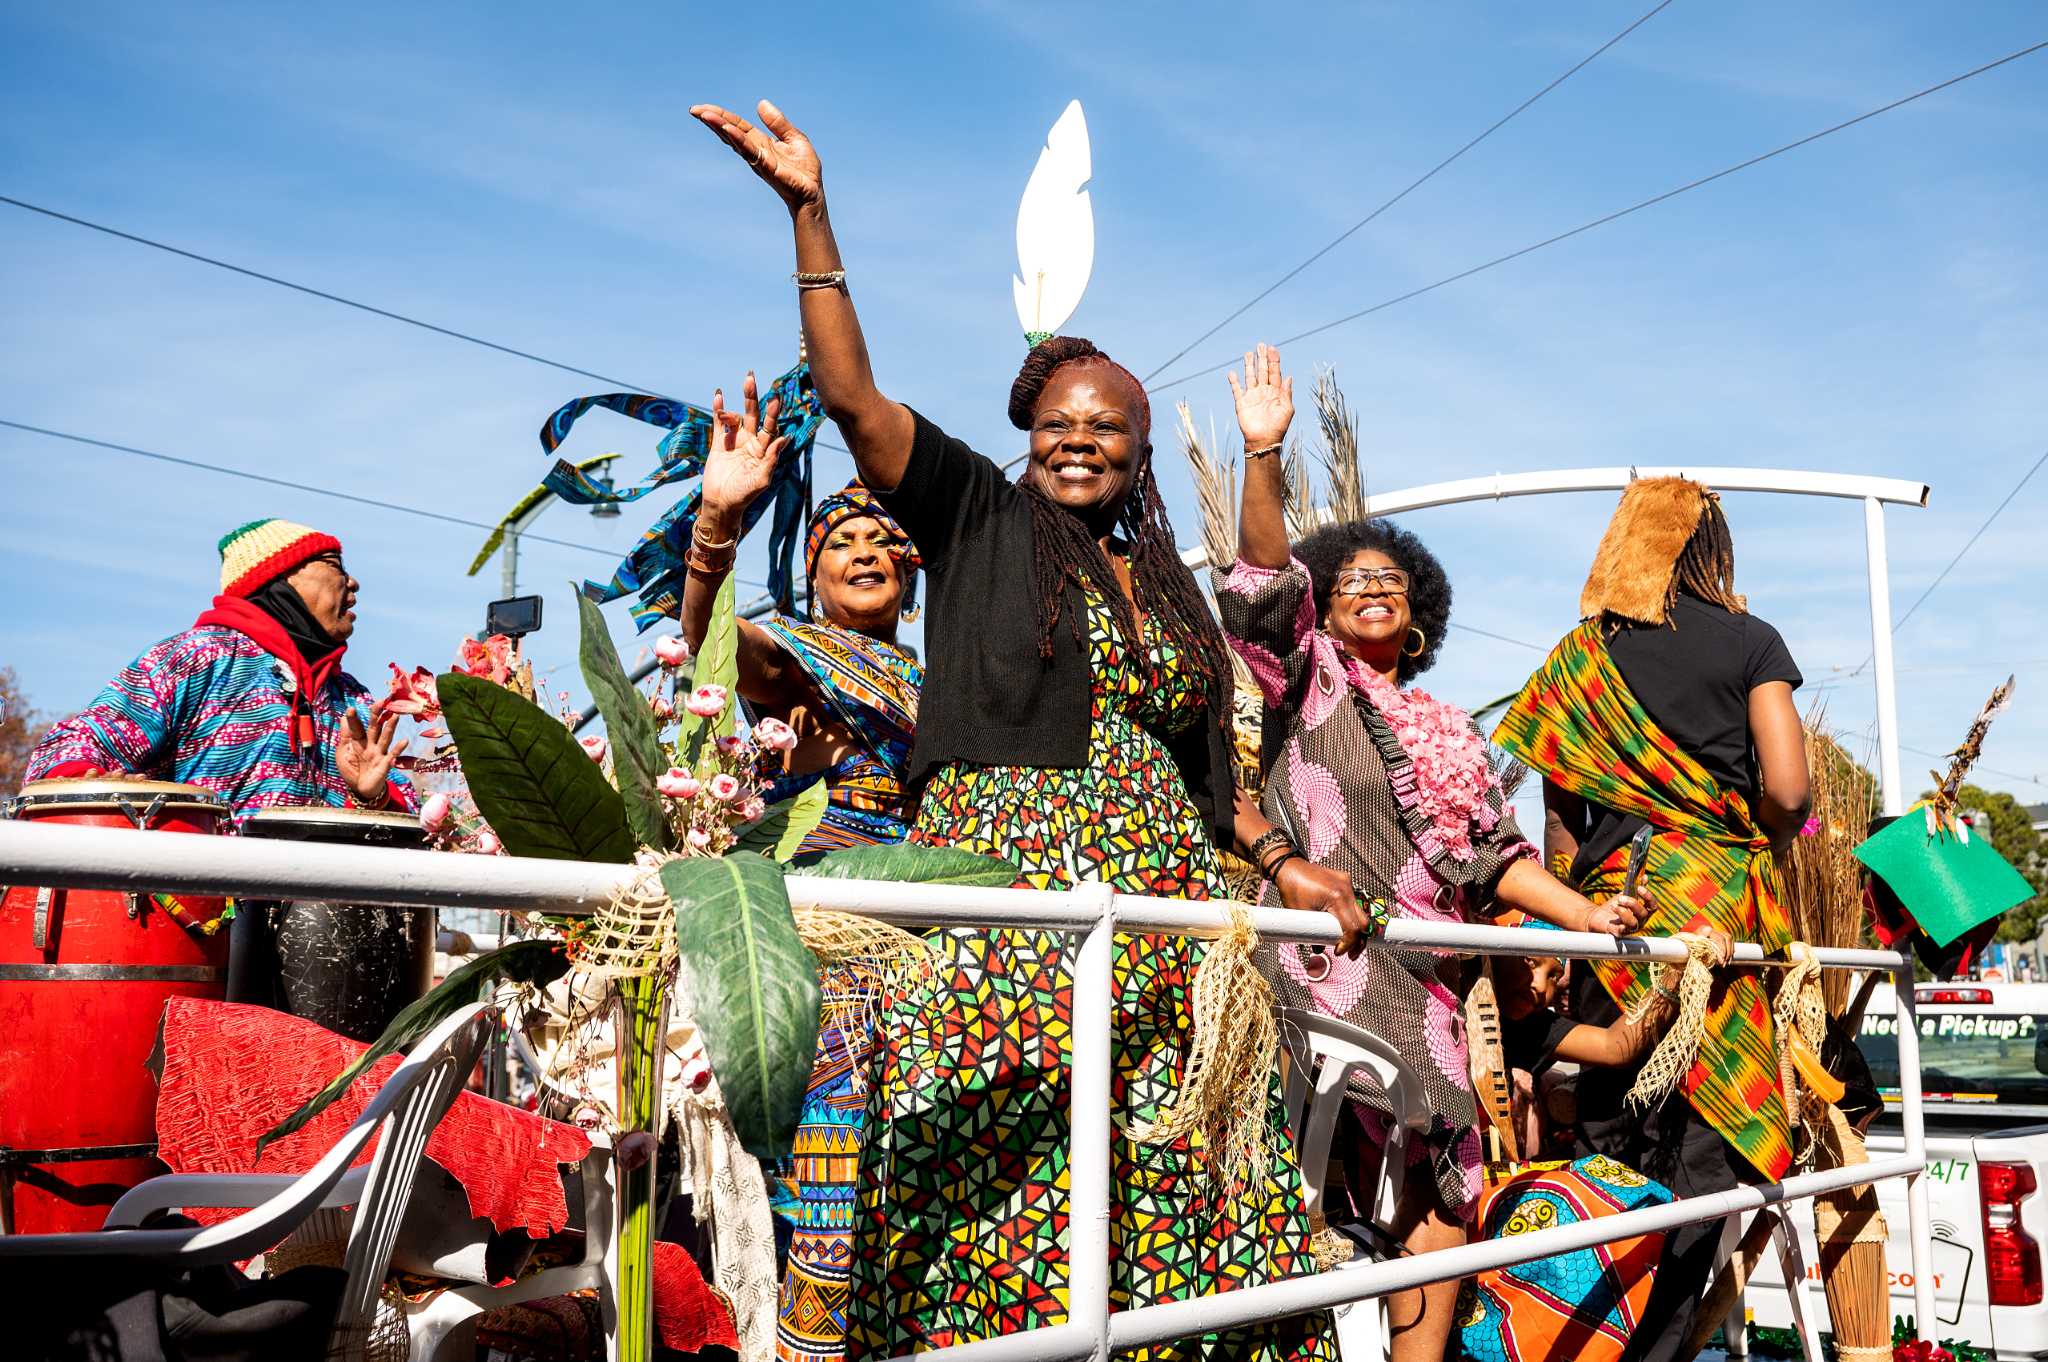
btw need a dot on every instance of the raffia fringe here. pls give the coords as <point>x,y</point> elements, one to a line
<point>1680,1046</point>
<point>1798,1007</point>
<point>1232,1044</point>
<point>634,934</point>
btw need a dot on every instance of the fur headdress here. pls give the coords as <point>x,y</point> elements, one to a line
<point>1632,570</point>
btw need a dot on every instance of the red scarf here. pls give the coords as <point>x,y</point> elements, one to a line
<point>232,612</point>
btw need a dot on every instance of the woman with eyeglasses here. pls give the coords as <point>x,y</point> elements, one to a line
<point>1380,803</point>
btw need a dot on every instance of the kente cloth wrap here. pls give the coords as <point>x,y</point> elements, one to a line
<point>655,568</point>
<point>964,1183</point>
<point>1347,791</point>
<point>231,1072</point>
<point>871,688</point>
<point>1582,1305</point>
<point>212,707</point>
<point>1709,864</point>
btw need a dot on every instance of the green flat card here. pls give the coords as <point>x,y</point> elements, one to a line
<point>1949,885</point>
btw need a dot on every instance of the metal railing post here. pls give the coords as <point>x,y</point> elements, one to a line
<point>1089,1123</point>
<point>1891,783</point>
<point>1913,1119</point>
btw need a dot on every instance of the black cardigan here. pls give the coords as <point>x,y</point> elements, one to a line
<point>989,698</point>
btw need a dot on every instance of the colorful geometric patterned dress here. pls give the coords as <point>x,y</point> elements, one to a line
<point>869,687</point>
<point>964,1181</point>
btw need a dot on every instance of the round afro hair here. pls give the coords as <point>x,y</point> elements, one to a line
<point>1429,590</point>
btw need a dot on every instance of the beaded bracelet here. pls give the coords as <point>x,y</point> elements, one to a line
<point>1262,453</point>
<point>827,279</point>
<point>1265,842</point>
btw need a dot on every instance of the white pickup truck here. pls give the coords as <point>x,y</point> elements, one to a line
<point>1984,1074</point>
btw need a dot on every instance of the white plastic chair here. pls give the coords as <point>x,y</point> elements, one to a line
<point>1323,1054</point>
<point>406,1110</point>
<point>433,1321</point>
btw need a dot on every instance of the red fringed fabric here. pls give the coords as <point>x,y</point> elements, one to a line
<point>232,1072</point>
<point>688,1315</point>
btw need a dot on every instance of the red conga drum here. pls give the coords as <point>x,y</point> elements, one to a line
<point>84,975</point>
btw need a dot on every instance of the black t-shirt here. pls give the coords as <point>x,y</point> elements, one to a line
<point>1530,1042</point>
<point>1693,678</point>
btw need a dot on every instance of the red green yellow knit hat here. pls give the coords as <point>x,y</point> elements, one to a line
<point>263,550</point>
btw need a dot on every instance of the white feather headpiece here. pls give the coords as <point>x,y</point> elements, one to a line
<point>1055,230</point>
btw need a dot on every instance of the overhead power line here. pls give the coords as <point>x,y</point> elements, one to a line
<point>1980,766</point>
<point>1414,185</point>
<point>1968,544</point>
<point>309,290</point>
<point>1619,214</point>
<point>525,536</point>
<point>323,294</point>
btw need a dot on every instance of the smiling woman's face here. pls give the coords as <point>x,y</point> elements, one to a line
<point>858,581</point>
<point>1086,445</point>
<point>1369,613</point>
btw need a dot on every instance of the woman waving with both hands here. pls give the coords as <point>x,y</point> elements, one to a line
<point>1073,724</point>
<point>1380,795</point>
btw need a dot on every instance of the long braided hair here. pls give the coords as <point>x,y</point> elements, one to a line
<point>1706,565</point>
<point>1066,553</point>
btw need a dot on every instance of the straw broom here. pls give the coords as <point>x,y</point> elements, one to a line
<point>1824,892</point>
<point>1823,879</point>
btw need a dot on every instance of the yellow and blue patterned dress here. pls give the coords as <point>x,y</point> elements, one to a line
<point>961,1230</point>
<point>871,688</point>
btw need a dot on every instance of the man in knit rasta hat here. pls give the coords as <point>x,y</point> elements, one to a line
<point>251,701</point>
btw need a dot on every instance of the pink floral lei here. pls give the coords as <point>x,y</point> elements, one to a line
<point>1452,774</point>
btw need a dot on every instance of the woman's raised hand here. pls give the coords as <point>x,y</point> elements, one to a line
<point>781,155</point>
<point>741,452</point>
<point>1265,399</point>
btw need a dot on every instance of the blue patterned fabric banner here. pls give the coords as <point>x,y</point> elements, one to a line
<point>655,568</point>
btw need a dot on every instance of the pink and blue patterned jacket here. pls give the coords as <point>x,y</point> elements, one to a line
<point>209,707</point>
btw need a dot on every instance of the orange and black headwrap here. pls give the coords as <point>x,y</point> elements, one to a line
<point>855,502</point>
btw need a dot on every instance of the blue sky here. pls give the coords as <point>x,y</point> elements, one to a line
<point>529,174</point>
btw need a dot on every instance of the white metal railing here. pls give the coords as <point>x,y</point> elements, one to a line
<point>1873,492</point>
<point>79,857</point>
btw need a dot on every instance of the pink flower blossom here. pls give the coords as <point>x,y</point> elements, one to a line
<point>595,746</point>
<point>697,1074</point>
<point>490,659</point>
<point>727,746</point>
<point>433,731</point>
<point>487,843</point>
<point>663,707</point>
<point>724,787</point>
<point>412,694</point>
<point>677,784</point>
<point>671,651</point>
<point>698,839</point>
<point>434,813</point>
<point>775,735</point>
<point>752,807</point>
<point>706,701</point>
<point>1810,826</point>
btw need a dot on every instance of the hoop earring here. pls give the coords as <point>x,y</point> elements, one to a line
<point>1421,643</point>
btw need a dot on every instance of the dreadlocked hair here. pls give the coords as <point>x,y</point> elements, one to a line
<point>1706,565</point>
<point>1066,553</point>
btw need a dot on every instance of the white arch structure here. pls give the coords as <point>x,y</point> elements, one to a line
<point>1873,492</point>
